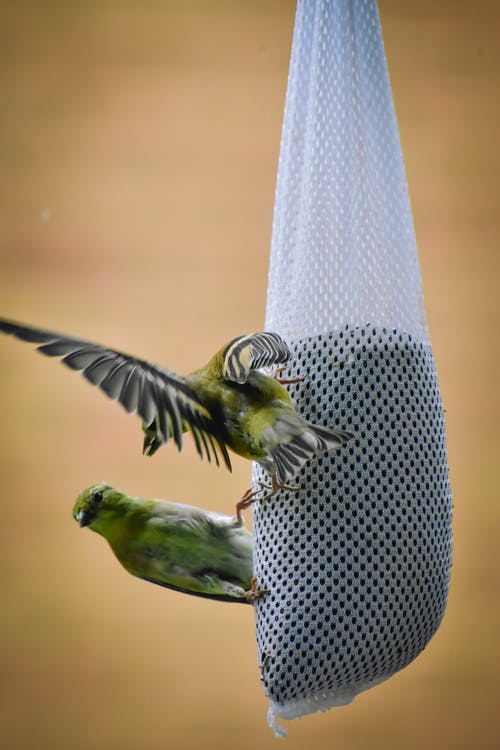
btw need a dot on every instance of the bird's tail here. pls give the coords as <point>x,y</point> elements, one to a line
<point>330,439</point>
<point>289,457</point>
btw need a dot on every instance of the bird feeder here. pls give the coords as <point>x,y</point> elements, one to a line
<point>357,561</point>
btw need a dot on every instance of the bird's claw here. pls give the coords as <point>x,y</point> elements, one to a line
<point>288,487</point>
<point>286,381</point>
<point>264,486</point>
<point>251,496</point>
<point>255,592</point>
<point>152,439</point>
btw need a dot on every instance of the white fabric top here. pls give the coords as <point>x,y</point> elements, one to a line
<point>343,246</point>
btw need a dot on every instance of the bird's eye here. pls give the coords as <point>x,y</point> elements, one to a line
<point>97,497</point>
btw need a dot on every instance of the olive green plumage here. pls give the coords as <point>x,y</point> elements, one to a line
<point>177,546</point>
<point>227,403</point>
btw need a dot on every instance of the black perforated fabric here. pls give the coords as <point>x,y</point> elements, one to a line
<point>357,562</point>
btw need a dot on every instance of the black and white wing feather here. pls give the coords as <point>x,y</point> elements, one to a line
<point>251,352</point>
<point>292,441</point>
<point>158,395</point>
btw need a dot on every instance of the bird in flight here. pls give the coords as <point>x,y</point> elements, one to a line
<point>226,404</point>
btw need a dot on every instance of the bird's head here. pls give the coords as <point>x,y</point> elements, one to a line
<point>95,505</point>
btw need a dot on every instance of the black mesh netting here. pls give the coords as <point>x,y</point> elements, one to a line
<point>358,561</point>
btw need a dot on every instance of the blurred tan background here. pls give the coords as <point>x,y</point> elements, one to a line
<point>138,151</point>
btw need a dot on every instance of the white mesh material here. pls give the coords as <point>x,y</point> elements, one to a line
<point>343,247</point>
<point>357,562</point>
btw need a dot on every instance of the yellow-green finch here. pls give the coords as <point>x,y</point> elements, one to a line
<point>177,546</point>
<point>227,403</point>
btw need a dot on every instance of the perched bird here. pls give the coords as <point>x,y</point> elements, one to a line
<point>227,403</point>
<point>178,546</point>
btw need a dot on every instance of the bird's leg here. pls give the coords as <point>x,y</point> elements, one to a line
<point>265,486</point>
<point>255,592</point>
<point>286,381</point>
<point>251,495</point>
<point>152,438</point>
<point>275,486</point>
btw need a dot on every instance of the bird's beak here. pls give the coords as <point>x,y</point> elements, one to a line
<point>83,518</point>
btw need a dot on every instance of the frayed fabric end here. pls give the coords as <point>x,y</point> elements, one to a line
<point>295,709</point>
<point>272,720</point>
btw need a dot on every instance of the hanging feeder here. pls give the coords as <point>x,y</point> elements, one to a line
<point>357,562</point>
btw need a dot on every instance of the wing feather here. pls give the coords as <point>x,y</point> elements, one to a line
<point>131,391</point>
<point>214,449</point>
<point>251,352</point>
<point>113,383</point>
<point>158,395</point>
<point>146,407</point>
<point>172,410</point>
<point>304,441</point>
<point>80,359</point>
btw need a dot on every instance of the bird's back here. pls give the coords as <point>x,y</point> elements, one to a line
<point>178,545</point>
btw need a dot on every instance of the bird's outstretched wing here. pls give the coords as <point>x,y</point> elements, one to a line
<point>158,395</point>
<point>247,353</point>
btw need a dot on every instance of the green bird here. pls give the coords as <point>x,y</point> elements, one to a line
<point>174,545</point>
<point>228,403</point>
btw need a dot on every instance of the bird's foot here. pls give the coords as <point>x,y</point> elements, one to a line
<point>249,497</point>
<point>255,592</point>
<point>272,489</point>
<point>276,486</point>
<point>291,488</point>
<point>286,381</point>
<point>264,486</point>
<point>152,439</point>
